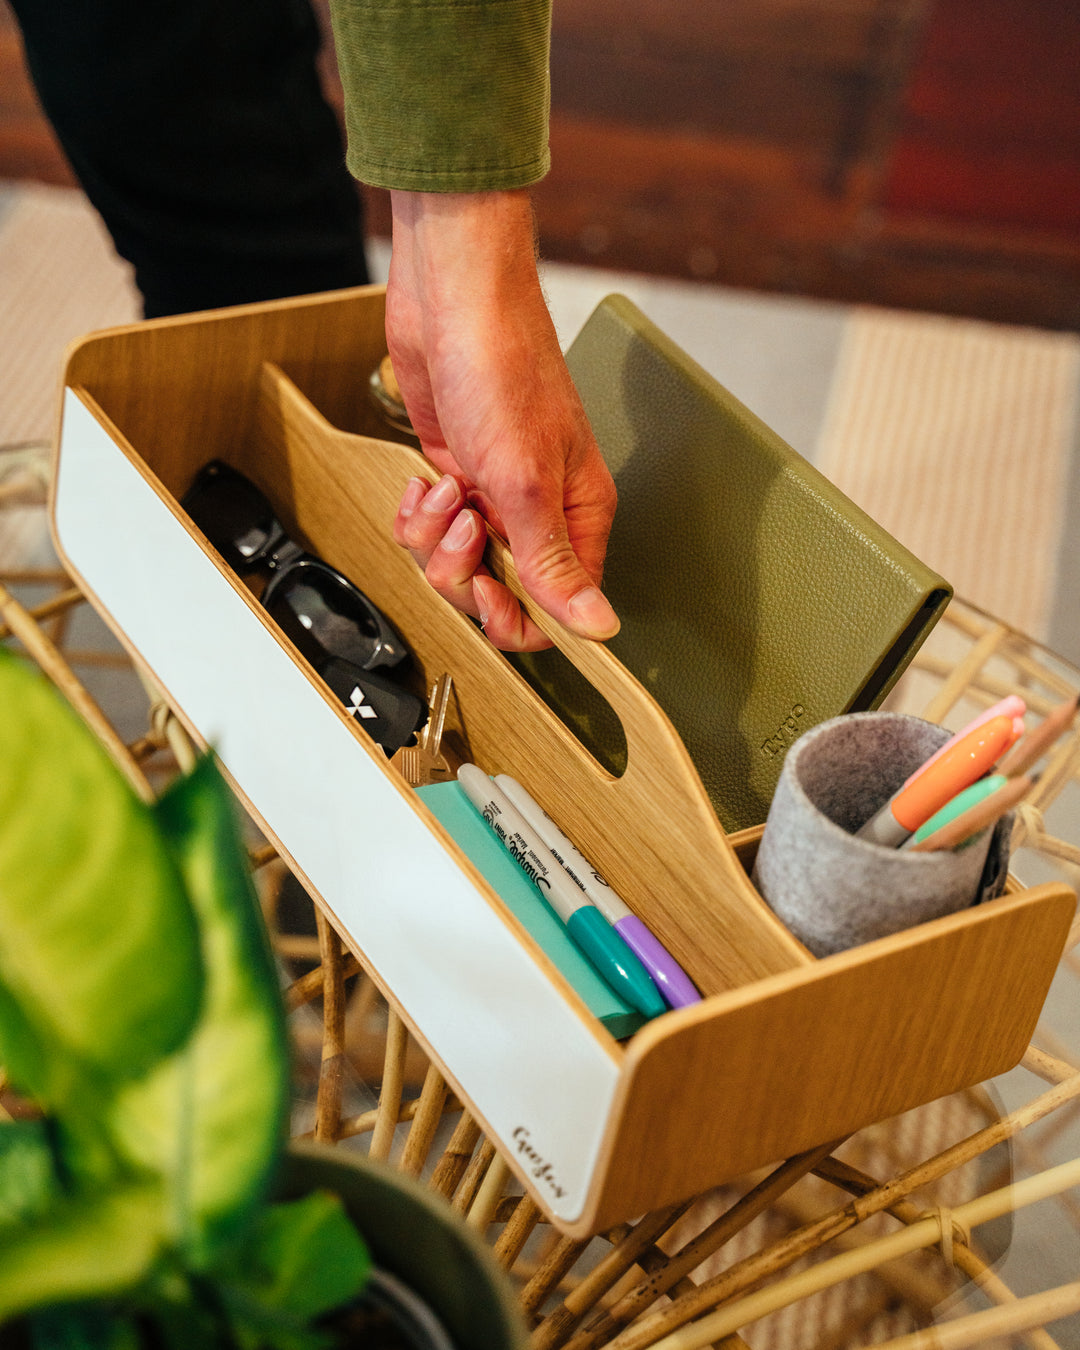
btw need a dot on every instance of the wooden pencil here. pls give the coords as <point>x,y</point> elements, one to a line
<point>1030,748</point>
<point>976,818</point>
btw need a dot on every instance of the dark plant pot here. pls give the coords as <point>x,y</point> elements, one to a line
<point>415,1235</point>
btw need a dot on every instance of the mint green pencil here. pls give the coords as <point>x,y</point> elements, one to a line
<point>963,826</point>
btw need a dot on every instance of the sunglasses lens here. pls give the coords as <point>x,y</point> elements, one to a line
<point>332,613</point>
<point>232,513</point>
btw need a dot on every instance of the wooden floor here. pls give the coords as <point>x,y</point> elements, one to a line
<point>914,153</point>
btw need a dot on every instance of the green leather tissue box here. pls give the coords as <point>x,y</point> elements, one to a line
<point>756,599</point>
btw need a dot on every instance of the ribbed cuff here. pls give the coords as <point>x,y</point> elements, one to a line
<point>445,95</point>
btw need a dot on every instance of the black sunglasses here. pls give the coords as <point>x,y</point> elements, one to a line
<point>331,621</point>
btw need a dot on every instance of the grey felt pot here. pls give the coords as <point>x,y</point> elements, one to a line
<point>835,891</point>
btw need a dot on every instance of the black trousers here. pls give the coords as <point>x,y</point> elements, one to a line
<point>199,131</point>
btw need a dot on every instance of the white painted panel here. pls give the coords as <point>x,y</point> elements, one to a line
<point>484,1005</point>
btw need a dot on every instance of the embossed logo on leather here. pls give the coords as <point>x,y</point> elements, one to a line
<point>784,734</point>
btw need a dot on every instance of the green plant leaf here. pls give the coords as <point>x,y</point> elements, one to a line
<point>87,1246</point>
<point>98,950</point>
<point>29,1184</point>
<point>211,1119</point>
<point>181,1324</point>
<point>300,1260</point>
<point>84,1326</point>
<point>22,1047</point>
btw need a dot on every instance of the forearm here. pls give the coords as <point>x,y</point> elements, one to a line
<point>469,252</point>
<point>489,395</point>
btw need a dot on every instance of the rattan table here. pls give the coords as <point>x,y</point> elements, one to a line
<point>906,1234</point>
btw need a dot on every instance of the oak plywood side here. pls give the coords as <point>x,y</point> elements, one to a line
<point>794,1061</point>
<point>183,389</point>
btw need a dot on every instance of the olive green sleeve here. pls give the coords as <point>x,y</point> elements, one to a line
<point>445,95</point>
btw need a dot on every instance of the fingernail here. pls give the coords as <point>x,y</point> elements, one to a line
<point>592,614</point>
<point>410,498</point>
<point>461,533</point>
<point>482,604</point>
<point>445,494</point>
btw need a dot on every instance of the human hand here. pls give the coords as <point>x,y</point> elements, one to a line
<point>490,398</point>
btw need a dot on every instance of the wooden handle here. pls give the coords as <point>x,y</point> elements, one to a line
<point>656,756</point>
<point>652,831</point>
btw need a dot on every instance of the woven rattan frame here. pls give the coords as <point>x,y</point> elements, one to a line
<point>846,1245</point>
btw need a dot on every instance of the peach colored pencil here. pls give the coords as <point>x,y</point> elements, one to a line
<point>977,818</point>
<point>1030,748</point>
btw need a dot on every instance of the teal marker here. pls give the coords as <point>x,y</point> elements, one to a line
<point>963,801</point>
<point>610,956</point>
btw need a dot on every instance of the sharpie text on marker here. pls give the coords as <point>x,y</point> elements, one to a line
<point>666,973</point>
<point>587,927</point>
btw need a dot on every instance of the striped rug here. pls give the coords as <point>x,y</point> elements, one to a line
<point>59,279</point>
<point>958,438</point>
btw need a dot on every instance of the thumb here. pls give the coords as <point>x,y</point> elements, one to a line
<point>553,574</point>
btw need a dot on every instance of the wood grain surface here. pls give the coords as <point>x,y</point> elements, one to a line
<point>786,1053</point>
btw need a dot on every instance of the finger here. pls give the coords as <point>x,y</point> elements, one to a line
<point>454,560</point>
<point>504,622</point>
<point>410,500</point>
<point>448,544</point>
<point>424,516</point>
<point>589,513</point>
<point>453,568</point>
<point>481,502</point>
<point>553,573</point>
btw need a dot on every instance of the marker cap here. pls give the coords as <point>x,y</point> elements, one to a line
<point>669,977</point>
<point>614,960</point>
<point>1012,705</point>
<point>964,762</point>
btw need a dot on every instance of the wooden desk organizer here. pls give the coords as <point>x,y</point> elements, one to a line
<point>784,1054</point>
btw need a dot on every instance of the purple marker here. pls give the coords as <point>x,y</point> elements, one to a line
<point>666,973</point>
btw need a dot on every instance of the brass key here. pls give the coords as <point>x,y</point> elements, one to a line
<point>424,762</point>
